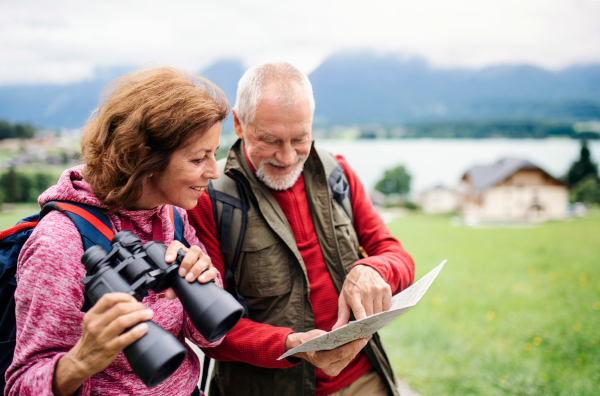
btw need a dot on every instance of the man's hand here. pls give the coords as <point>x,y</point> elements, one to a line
<point>365,293</point>
<point>330,362</point>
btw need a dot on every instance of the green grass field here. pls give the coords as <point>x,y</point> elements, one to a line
<point>15,212</point>
<point>516,311</point>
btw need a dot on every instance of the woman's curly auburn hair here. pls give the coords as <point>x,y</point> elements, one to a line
<point>143,118</point>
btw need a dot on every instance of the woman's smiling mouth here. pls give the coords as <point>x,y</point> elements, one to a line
<point>198,189</point>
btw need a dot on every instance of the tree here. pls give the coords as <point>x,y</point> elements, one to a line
<point>583,167</point>
<point>6,131</point>
<point>24,131</point>
<point>587,190</point>
<point>26,185</point>
<point>41,182</point>
<point>11,186</point>
<point>395,181</point>
<point>21,131</point>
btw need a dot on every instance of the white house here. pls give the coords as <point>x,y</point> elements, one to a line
<point>438,199</point>
<point>512,190</point>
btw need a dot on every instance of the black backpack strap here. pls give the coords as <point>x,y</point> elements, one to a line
<point>337,180</point>
<point>225,223</point>
<point>205,369</point>
<point>225,233</point>
<point>340,189</point>
<point>228,204</point>
<point>177,222</point>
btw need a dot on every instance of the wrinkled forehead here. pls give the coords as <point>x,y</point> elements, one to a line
<point>284,93</point>
<point>272,118</point>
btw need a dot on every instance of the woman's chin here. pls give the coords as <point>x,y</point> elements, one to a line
<point>188,205</point>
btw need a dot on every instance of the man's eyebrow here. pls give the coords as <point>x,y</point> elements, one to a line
<point>266,135</point>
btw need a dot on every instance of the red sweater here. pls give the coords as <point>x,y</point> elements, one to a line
<point>260,344</point>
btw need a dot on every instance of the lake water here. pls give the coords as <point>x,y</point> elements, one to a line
<point>433,162</point>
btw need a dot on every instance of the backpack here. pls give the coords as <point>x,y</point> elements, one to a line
<point>95,229</point>
<point>230,207</point>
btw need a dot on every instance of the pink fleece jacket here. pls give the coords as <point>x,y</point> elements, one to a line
<point>50,295</point>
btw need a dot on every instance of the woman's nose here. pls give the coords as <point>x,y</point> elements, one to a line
<point>213,170</point>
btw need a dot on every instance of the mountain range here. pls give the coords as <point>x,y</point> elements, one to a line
<point>362,88</point>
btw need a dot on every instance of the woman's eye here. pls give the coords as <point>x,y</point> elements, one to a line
<point>199,160</point>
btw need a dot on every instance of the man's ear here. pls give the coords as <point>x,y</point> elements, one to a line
<point>237,126</point>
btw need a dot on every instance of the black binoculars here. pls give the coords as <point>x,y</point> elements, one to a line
<point>133,268</point>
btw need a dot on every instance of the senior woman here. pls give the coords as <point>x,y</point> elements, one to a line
<point>151,143</point>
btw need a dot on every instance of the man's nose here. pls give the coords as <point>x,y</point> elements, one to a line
<point>287,154</point>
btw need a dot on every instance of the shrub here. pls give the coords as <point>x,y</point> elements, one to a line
<point>587,190</point>
<point>20,187</point>
<point>395,181</point>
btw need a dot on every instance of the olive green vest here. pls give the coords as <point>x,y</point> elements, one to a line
<point>271,275</point>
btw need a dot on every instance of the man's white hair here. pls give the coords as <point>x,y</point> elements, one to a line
<point>255,79</point>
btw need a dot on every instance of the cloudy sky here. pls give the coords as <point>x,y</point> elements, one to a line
<point>63,41</point>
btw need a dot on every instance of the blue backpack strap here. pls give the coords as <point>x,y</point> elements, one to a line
<point>177,222</point>
<point>92,224</point>
<point>11,241</point>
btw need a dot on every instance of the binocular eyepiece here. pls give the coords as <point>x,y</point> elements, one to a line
<point>134,268</point>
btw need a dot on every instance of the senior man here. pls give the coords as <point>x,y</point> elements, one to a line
<point>305,264</point>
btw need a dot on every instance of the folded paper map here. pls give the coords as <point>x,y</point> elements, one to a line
<point>354,330</point>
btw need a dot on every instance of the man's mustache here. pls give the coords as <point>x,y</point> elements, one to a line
<point>274,162</point>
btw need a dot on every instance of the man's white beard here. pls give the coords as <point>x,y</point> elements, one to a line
<point>280,182</point>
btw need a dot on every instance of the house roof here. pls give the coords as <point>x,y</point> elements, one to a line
<point>484,177</point>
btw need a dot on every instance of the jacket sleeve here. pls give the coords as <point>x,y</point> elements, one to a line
<point>48,298</point>
<point>249,342</point>
<point>189,331</point>
<point>386,254</point>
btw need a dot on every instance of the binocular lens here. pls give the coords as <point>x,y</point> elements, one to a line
<point>156,355</point>
<point>92,257</point>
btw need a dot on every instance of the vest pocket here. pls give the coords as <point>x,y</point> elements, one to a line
<point>265,267</point>
<point>346,236</point>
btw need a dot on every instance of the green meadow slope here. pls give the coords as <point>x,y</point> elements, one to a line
<point>516,311</point>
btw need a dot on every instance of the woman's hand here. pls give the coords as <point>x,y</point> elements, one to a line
<point>101,340</point>
<point>195,265</point>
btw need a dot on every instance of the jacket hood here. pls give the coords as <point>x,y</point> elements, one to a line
<point>71,187</point>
